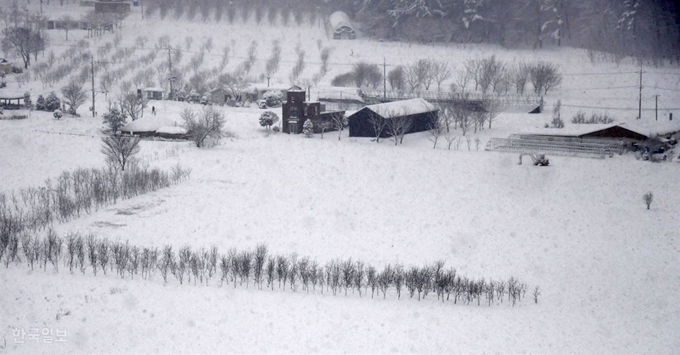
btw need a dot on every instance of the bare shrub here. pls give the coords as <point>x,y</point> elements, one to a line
<point>648,198</point>
<point>544,76</point>
<point>205,127</point>
<point>120,150</point>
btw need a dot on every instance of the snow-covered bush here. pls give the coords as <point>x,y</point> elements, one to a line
<point>52,102</point>
<point>27,100</point>
<point>58,114</point>
<point>276,129</point>
<point>308,128</point>
<point>273,98</point>
<point>114,119</point>
<point>268,119</point>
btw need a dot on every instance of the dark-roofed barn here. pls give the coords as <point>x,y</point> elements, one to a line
<point>421,114</point>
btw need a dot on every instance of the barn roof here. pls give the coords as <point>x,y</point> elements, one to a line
<point>340,19</point>
<point>172,130</point>
<point>401,108</point>
<point>581,130</point>
<point>652,128</point>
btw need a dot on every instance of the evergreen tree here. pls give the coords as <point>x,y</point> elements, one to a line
<point>40,103</point>
<point>114,119</point>
<point>52,102</point>
<point>308,128</point>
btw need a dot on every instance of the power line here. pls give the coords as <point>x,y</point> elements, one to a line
<point>615,108</point>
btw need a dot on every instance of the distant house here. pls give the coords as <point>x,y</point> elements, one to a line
<point>111,7</point>
<point>5,66</point>
<point>341,26</point>
<point>152,93</point>
<point>421,113</point>
<point>581,131</point>
<point>219,95</point>
<point>341,99</point>
<point>295,111</point>
<point>155,126</point>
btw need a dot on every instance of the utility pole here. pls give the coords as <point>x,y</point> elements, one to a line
<point>656,107</point>
<point>640,99</point>
<point>170,70</point>
<point>384,80</point>
<point>92,62</point>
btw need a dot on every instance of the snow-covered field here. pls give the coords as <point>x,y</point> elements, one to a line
<point>607,267</point>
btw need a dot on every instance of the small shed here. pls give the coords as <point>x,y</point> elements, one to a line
<point>421,113</point>
<point>148,126</point>
<point>154,93</point>
<point>111,6</point>
<point>5,66</point>
<point>341,26</point>
<point>172,132</point>
<point>218,95</point>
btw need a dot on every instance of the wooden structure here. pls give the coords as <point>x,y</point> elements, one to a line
<point>5,66</point>
<point>341,26</point>
<point>295,111</point>
<point>151,93</point>
<point>8,103</point>
<point>111,7</point>
<point>422,115</point>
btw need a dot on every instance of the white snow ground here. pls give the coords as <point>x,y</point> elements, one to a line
<point>608,268</point>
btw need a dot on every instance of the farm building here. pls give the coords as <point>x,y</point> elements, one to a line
<point>295,111</point>
<point>339,99</point>
<point>152,93</point>
<point>421,113</point>
<point>341,26</point>
<point>5,66</point>
<point>155,126</point>
<point>111,6</point>
<point>218,95</point>
<point>583,131</point>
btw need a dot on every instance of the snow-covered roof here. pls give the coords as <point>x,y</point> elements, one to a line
<point>569,129</point>
<point>652,128</point>
<point>340,19</point>
<point>154,89</point>
<point>402,108</point>
<point>151,124</point>
<point>336,95</point>
<point>172,130</point>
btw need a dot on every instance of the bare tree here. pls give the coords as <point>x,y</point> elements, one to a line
<point>648,198</point>
<point>435,131</point>
<point>544,76</point>
<point>536,293</point>
<point>440,73</point>
<point>378,123</point>
<point>206,124</point>
<point>462,79</point>
<point>493,108</point>
<point>66,22</point>
<point>463,118</point>
<point>23,41</point>
<point>339,122</point>
<point>120,150</point>
<point>397,78</point>
<point>74,95</point>
<point>398,126</point>
<point>132,104</point>
<point>519,76</point>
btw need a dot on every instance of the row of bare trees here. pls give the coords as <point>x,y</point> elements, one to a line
<point>488,75</point>
<point>265,270</point>
<point>77,192</point>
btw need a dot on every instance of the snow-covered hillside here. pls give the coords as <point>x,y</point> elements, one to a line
<point>606,265</point>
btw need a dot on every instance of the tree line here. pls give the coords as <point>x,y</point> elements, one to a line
<point>647,29</point>
<point>263,269</point>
